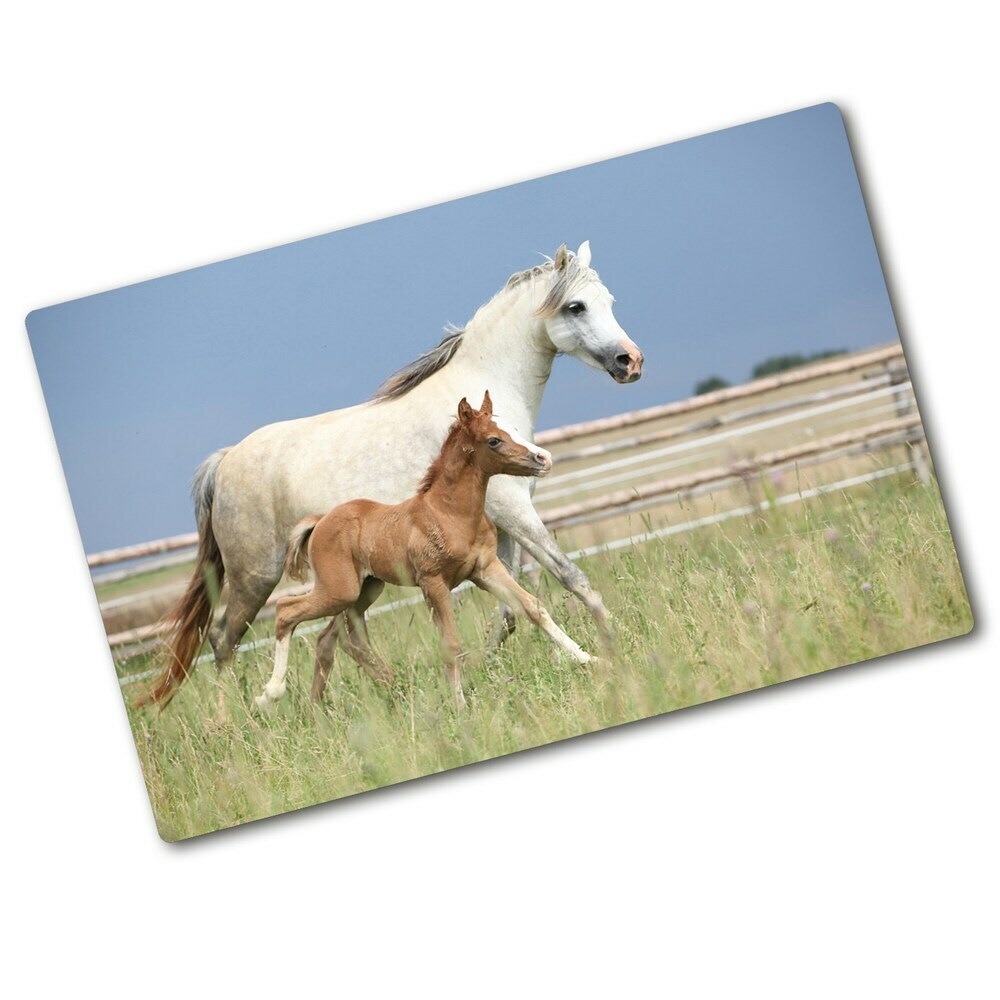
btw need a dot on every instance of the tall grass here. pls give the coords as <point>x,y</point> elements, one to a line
<point>747,603</point>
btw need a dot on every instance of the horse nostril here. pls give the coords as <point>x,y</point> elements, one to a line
<point>623,359</point>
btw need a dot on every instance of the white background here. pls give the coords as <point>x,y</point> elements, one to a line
<point>833,837</point>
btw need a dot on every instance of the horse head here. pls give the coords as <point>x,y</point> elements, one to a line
<point>578,318</point>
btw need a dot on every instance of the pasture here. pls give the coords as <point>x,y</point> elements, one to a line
<point>791,589</point>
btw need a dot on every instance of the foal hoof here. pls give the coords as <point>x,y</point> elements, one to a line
<point>217,723</point>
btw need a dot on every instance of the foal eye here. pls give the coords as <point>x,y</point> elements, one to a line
<point>576,308</point>
<point>494,442</point>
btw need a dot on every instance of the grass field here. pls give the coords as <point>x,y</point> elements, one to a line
<point>753,601</point>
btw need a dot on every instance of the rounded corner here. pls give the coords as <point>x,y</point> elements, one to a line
<point>836,109</point>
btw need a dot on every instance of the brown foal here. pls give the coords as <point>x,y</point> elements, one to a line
<point>434,540</point>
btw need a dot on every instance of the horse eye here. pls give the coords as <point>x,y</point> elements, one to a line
<point>576,308</point>
<point>494,442</point>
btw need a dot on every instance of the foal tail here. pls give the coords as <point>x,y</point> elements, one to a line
<point>297,560</point>
<point>190,618</point>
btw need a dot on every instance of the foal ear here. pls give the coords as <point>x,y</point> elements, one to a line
<point>465,412</point>
<point>583,254</point>
<point>562,258</point>
<point>486,409</point>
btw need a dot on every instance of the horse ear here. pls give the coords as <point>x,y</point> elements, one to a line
<point>562,258</point>
<point>487,408</point>
<point>465,411</point>
<point>583,254</point>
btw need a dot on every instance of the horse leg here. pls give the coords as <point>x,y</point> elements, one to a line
<point>495,579</point>
<point>246,598</point>
<point>509,552</point>
<point>438,598</point>
<point>292,611</point>
<point>522,522</point>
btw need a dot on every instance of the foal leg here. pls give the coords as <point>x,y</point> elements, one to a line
<point>495,579</point>
<point>292,611</point>
<point>438,598</point>
<point>509,505</point>
<point>352,631</point>
<point>535,537</point>
<point>356,638</point>
<point>326,646</point>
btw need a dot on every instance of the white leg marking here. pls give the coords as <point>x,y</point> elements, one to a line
<point>560,638</point>
<point>275,687</point>
<point>499,582</point>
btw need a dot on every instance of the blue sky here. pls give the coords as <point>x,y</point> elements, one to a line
<point>720,250</point>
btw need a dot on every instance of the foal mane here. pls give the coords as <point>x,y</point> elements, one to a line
<point>436,467</point>
<point>566,281</point>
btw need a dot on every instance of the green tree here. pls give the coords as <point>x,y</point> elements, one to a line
<point>782,362</point>
<point>710,384</point>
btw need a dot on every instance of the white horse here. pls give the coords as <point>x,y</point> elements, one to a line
<point>249,497</point>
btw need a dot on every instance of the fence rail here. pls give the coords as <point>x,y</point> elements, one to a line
<point>127,552</point>
<point>614,503</point>
<point>794,376</point>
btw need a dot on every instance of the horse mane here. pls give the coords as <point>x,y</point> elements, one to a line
<point>566,282</point>
<point>571,277</point>
<point>427,364</point>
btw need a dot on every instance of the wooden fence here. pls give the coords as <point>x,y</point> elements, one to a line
<point>622,471</point>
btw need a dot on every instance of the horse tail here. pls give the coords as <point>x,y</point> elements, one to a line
<point>187,623</point>
<point>297,559</point>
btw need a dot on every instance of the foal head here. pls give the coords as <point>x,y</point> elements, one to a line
<point>499,449</point>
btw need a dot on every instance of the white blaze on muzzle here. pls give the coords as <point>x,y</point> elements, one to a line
<point>541,455</point>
